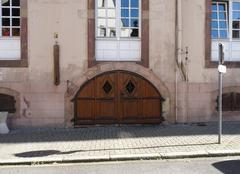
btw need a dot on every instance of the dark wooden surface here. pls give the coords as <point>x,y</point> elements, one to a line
<point>118,98</point>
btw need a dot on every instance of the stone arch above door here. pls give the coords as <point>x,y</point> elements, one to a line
<point>75,84</point>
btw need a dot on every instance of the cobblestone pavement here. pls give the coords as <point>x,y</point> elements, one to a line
<point>32,145</point>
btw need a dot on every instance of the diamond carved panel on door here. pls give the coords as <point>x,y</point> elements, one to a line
<point>118,97</point>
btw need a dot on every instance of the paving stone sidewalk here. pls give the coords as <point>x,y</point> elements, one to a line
<point>27,146</point>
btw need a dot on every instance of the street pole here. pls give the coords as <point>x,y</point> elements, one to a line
<point>220,82</point>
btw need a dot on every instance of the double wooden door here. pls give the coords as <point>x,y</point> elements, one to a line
<point>118,98</point>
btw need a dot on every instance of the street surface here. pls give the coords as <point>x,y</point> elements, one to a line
<point>184,166</point>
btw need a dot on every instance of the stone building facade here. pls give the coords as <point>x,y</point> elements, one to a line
<point>175,59</point>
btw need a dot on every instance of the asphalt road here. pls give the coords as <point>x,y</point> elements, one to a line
<point>186,166</point>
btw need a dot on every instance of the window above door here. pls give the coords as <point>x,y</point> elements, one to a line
<point>13,33</point>
<point>118,28</point>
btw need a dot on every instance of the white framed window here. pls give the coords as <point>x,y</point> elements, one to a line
<point>9,29</point>
<point>225,28</point>
<point>118,28</point>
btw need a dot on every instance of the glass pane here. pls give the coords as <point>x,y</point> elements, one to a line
<point>112,32</point>
<point>6,3</point>
<point>102,23</point>
<point>124,3</point>
<point>236,34</point>
<point>125,23</point>
<point>5,11</point>
<point>236,6</point>
<point>101,13</point>
<point>111,13</point>
<point>214,15</point>
<point>111,3</point>
<point>236,24</point>
<point>236,15</point>
<point>16,32</point>
<point>124,32</point>
<point>134,23</point>
<point>214,34</point>
<point>214,7</point>
<point>6,32</point>
<point>125,13</point>
<point>112,23</point>
<point>214,24</point>
<point>15,22</point>
<point>135,3</point>
<point>6,21</point>
<point>221,7</point>
<point>223,33</point>
<point>134,32</point>
<point>134,13</point>
<point>102,32</point>
<point>16,12</point>
<point>222,15</point>
<point>15,2</point>
<point>101,3</point>
<point>223,24</point>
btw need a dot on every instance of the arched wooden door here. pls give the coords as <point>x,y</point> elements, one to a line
<point>118,97</point>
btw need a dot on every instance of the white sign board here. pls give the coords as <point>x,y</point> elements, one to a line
<point>222,69</point>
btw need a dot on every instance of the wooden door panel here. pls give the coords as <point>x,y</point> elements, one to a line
<point>85,109</point>
<point>118,97</point>
<point>151,108</point>
<point>105,110</point>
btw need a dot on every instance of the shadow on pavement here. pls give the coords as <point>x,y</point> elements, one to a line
<point>228,167</point>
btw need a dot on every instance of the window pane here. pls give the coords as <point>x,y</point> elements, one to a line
<point>5,11</point>
<point>112,32</point>
<point>223,33</point>
<point>235,34</point>
<point>134,32</point>
<point>214,24</point>
<point>16,31</point>
<point>125,13</point>
<point>102,23</point>
<point>236,24</point>
<point>125,23</point>
<point>134,13</point>
<point>124,3</point>
<point>102,32</point>
<point>222,15</point>
<point>111,4</point>
<point>101,13</point>
<point>15,2</point>
<point>214,15</point>
<point>236,15</point>
<point>5,31</point>
<point>124,32</point>
<point>214,34</point>
<point>112,23</point>
<point>15,22</point>
<point>111,13</point>
<point>134,23</point>
<point>223,24</point>
<point>101,3</point>
<point>214,7</point>
<point>135,3</point>
<point>15,12</point>
<point>221,7</point>
<point>236,6</point>
<point>6,21</point>
<point>6,3</point>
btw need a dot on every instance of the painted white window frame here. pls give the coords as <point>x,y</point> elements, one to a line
<point>118,48</point>
<point>231,45</point>
<point>9,45</point>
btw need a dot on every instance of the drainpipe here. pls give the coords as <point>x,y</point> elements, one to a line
<point>178,45</point>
